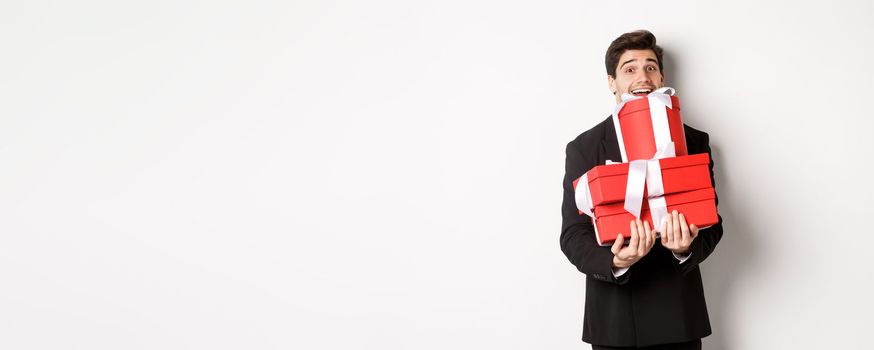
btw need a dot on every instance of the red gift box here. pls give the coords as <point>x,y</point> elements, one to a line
<point>645,124</point>
<point>679,174</point>
<point>698,207</point>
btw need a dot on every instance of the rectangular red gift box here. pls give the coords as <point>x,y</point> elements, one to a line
<point>636,128</point>
<point>698,207</point>
<point>679,174</point>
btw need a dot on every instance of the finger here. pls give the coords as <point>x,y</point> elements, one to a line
<point>643,237</point>
<point>664,231</point>
<point>632,242</point>
<point>650,235</point>
<point>677,234</point>
<point>617,245</point>
<point>669,229</point>
<point>694,229</point>
<point>684,227</point>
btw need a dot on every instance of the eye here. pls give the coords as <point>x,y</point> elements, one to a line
<point>651,68</point>
<point>629,70</point>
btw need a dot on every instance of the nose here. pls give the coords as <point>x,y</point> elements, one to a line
<point>642,77</point>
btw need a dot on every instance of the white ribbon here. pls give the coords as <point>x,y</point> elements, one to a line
<point>658,211</point>
<point>658,100</point>
<point>582,195</point>
<point>649,172</point>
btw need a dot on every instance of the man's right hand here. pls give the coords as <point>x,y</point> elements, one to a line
<point>641,241</point>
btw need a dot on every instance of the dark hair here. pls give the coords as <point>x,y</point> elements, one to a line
<point>636,40</point>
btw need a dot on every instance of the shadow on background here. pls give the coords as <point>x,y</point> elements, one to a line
<point>736,253</point>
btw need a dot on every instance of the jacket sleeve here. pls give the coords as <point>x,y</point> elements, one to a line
<point>707,238</point>
<point>577,233</point>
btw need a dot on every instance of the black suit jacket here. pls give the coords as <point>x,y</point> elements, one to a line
<point>658,300</point>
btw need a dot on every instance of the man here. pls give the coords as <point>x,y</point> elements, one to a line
<point>646,293</point>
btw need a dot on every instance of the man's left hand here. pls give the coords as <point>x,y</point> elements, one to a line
<point>677,236</point>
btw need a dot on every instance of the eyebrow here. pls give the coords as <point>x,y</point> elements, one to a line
<point>632,60</point>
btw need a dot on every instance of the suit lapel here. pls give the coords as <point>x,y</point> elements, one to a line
<point>609,143</point>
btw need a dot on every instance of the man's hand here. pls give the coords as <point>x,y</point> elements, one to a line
<point>641,241</point>
<point>677,235</point>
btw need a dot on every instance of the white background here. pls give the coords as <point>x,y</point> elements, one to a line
<point>356,175</point>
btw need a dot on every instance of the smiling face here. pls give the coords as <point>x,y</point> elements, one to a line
<point>637,73</point>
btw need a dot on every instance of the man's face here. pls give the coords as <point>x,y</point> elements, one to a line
<point>637,74</point>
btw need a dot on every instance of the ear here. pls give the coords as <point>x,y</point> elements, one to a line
<point>611,83</point>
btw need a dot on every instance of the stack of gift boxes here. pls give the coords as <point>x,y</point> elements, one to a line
<point>656,176</point>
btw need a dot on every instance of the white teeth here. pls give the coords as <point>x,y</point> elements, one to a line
<point>641,90</point>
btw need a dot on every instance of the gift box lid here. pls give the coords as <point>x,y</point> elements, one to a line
<point>670,199</point>
<point>665,163</point>
<point>607,182</point>
<point>642,103</point>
